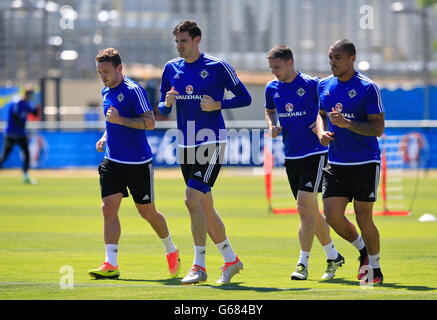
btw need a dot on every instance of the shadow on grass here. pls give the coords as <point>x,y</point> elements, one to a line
<point>384,285</point>
<point>166,282</point>
<point>236,286</point>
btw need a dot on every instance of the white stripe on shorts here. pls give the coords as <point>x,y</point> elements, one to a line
<point>152,183</point>
<point>376,181</point>
<point>211,164</point>
<point>319,173</point>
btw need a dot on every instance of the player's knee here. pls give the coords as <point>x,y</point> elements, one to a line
<point>109,210</point>
<point>147,211</point>
<point>193,200</point>
<point>330,218</point>
<point>364,220</point>
<point>193,203</point>
<point>306,218</point>
<point>303,208</point>
<point>306,206</point>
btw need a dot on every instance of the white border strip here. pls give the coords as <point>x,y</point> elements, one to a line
<point>250,124</point>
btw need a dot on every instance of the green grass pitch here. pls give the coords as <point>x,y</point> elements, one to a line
<point>58,223</point>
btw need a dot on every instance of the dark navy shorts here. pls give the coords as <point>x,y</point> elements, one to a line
<point>201,165</point>
<point>359,182</point>
<point>306,174</point>
<point>118,177</point>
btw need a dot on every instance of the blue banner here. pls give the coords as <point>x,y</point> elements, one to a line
<point>401,104</point>
<point>6,95</point>
<point>405,147</point>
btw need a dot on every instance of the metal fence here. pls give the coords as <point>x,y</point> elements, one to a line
<point>40,38</point>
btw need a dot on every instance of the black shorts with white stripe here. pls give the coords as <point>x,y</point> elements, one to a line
<point>202,163</point>
<point>117,177</point>
<point>359,182</point>
<point>306,173</point>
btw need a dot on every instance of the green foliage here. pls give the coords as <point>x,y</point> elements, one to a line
<point>426,3</point>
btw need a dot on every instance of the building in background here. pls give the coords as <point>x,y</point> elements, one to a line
<point>53,43</point>
<point>61,38</point>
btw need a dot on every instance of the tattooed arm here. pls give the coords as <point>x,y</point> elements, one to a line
<point>145,121</point>
<point>374,127</point>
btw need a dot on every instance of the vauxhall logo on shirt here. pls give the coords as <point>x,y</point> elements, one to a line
<point>189,89</point>
<point>289,108</point>
<point>339,107</point>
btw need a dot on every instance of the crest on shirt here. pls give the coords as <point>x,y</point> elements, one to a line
<point>338,107</point>
<point>289,107</point>
<point>189,89</point>
<point>300,92</point>
<point>352,93</point>
<point>204,74</point>
<point>120,97</point>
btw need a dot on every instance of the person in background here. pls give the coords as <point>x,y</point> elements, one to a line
<point>15,131</point>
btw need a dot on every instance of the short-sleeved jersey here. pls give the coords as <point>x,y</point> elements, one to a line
<point>206,76</point>
<point>17,117</point>
<point>354,99</point>
<point>124,144</point>
<point>296,104</point>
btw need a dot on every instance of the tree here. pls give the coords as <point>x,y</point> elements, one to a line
<point>425,4</point>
